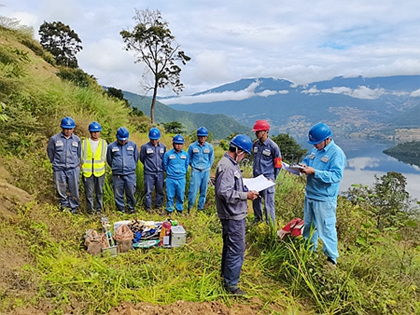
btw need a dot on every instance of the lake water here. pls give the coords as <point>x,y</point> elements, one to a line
<point>365,159</point>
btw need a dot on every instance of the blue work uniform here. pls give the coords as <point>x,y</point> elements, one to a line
<point>265,154</point>
<point>64,154</point>
<point>152,158</point>
<point>322,189</point>
<point>231,205</point>
<point>201,160</point>
<point>175,165</point>
<point>123,161</point>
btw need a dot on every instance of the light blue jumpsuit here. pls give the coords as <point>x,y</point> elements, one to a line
<point>123,161</point>
<point>264,155</point>
<point>175,165</point>
<point>65,154</point>
<point>201,160</point>
<point>322,189</point>
<point>152,158</point>
<point>231,204</point>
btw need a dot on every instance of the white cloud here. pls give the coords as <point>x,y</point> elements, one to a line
<point>361,92</point>
<point>259,40</point>
<point>415,93</point>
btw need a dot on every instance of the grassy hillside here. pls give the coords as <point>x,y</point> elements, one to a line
<point>45,268</point>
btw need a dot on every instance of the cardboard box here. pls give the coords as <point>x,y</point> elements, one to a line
<point>178,236</point>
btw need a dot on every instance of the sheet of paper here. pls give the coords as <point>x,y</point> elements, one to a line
<point>294,169</point>
<point>258,183</point>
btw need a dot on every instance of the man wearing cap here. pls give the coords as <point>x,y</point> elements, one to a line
<point>93,168</point>
<point>64,151</point>
<point>231,205</point>
<point>267,162</point>
<point>151,155</point>
<point>175,164</point>
<point>324,167</point>
<point>122,156</point>
<point>201,155</point>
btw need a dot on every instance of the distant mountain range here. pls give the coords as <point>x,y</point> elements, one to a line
<point>220,125</point>
<point>378,107</point>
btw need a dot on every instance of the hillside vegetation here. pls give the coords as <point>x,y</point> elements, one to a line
<point>45,268</point>
<point>408,152</point>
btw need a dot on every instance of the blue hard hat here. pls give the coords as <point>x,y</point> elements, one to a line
<point>154,134</point>
<point>68,123</point>
<point>202,132</point>
<point>122,134</point>
<point>95,126</point>
<point>178,139</point>
<point>319,133</point>
<point>243,142</point>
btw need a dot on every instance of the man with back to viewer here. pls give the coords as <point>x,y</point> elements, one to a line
<point>93,162</point>
<point>231,205</point>
<point>151,155</point>
<point>324,167</point>
<point>201,154</point>
<point>122,156</point>
<point>64,151</point>
<point>267,162</point>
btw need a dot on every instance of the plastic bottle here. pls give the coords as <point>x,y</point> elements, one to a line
<point>166,226</point>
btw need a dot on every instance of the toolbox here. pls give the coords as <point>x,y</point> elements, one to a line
<point>178,236</point>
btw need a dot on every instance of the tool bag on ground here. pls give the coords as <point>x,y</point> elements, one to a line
<point>124,238</point>
<point>93,242</point>
<point>293,228</point>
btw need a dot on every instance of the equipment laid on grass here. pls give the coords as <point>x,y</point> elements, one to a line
<point>293,228</point>
<point>178,236</point>
<point>110,249</point>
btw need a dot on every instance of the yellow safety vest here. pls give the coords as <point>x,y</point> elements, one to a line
<point>93,164</point>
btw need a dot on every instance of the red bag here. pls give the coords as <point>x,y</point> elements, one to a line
<point>294,228</point>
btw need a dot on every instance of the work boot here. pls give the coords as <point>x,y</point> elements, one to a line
<point>238,292</point>
<point>331,264</point>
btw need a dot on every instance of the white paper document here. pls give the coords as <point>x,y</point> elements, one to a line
<point>258,183</point>
<point>294,169</point>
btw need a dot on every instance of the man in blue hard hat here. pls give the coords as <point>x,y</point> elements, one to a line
<point>231,205</point>
<point>64,151</point>
<point>94,151</point>
<point>201,156</point>
<point>151,155</point>
<point>324,167</point>
<point>175,164</point>
<point>122,156</point>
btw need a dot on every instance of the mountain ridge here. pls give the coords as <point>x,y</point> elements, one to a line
<point>350,105</point>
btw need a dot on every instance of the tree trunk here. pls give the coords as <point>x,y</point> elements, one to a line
<point>152,107</point>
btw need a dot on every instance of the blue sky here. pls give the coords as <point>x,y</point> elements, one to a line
<point>300,40</point>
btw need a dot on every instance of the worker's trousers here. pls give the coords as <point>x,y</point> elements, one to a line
<point>199,181</point>
<point>233,252</point>
<point>94,186</point>
<point>67,180</point>
<point>124,184</point>
<point>319,219</point>
<point>175,188</point>
<point>269,210</point>
<point>156,181</point>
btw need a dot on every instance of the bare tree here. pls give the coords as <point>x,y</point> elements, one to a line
<point>153,44</point>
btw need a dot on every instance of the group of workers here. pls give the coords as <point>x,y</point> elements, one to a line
<point>324,167</point>
<point>70,156</point>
